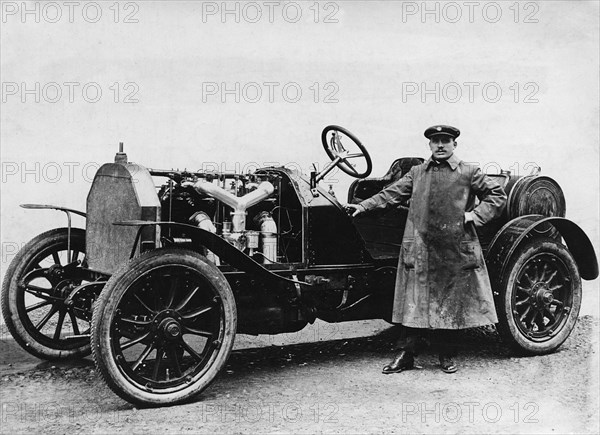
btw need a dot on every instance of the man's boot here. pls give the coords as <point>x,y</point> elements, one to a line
<point>403,361</point>
<point>447,364</point>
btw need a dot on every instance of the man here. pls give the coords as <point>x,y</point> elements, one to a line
<point>442,283</point>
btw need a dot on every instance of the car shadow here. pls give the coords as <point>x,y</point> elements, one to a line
<point>482,342</point>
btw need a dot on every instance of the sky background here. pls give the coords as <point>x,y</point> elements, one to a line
<point>162,69</point>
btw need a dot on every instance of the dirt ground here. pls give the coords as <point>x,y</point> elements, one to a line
<point>327,379</point>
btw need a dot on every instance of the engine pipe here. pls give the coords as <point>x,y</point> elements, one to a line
<point>203,221</point>
<point>268,235</point>
<point>238,204</point>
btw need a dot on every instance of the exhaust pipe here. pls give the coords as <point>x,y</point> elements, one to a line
<point>238,204</point>
<point>203,221</point>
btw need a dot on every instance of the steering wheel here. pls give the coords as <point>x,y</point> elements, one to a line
<point>340,156</point>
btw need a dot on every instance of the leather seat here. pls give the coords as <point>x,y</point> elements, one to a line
<point>365,188</point>
<point>382,230</point>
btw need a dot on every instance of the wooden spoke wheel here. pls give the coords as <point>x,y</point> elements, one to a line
<point>163,327</point>
<point>541,297</point>
<point>35,291</point>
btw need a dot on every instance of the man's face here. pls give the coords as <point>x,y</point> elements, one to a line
<point>442,146</point>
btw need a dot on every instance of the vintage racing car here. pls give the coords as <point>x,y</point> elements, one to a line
<point>161,279</point>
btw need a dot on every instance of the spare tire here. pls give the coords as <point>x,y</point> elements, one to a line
<point>533,194</point>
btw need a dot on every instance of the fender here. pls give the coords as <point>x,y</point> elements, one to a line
<point>512,234</point>
<point>216,244</point>
<point>53,207</point>
<point>67,211</point>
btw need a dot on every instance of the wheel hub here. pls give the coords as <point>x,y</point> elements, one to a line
<point>64,288</point>
<point>55,271</point>
<point>171,329</point>
<point>541,295</point>
<point>547,297</point>
<point>168,325</point>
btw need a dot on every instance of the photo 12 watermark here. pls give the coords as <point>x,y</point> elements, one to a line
<point>9,250</point>
<point>69,92</point>
<point>48,172</point>
<point>317,332</point>
<point>469,412</point>
<point>269,412</point>
<point>251,12</point>
<point>470,12</point>
<point>244,168</point>
<point>54,172</point>
<point>270,92</point>
<point>69,12</point>
<point>493,168</point>
<point>84,172</point>
<point>470,92</point>
<point>83,412</point>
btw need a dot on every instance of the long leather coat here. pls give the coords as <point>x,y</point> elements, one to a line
<point>442,280</point>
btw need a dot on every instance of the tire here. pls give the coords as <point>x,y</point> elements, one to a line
<point>42,328</point>
<point>163,327</point>
<point>540,297</point>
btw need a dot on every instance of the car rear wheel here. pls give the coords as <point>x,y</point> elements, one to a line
<point>34,296</point>
<point>163,327</point>
<point>540,298</point>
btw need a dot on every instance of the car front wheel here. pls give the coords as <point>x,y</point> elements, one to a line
<point>163,327</point>
<point>35,296</point>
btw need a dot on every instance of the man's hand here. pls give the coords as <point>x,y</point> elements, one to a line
<point>354,209</point>
<point>468,217</point>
